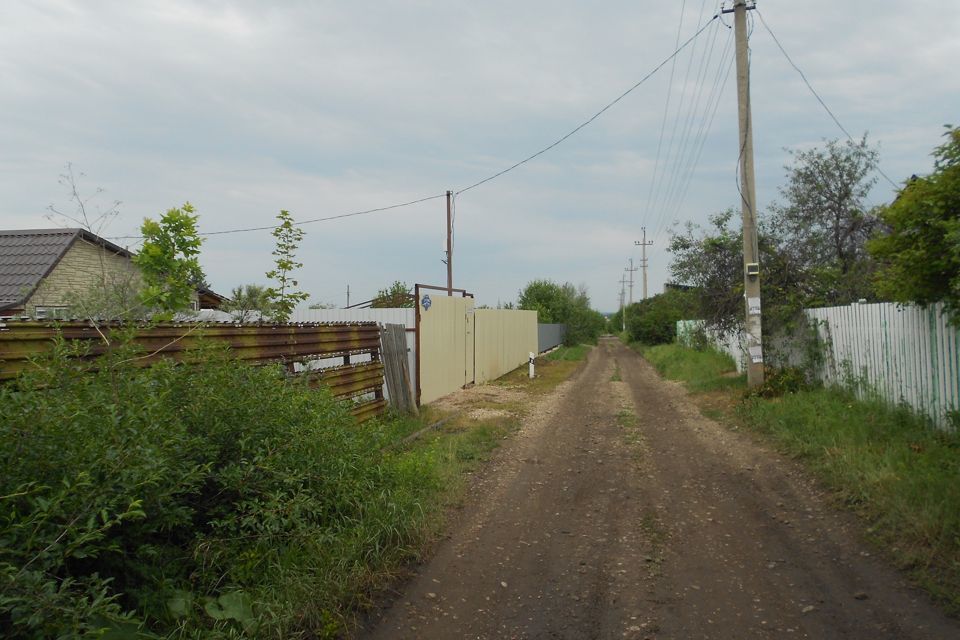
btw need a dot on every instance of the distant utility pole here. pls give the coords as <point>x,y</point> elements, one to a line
<point>623,308</point>
<point>348,295</point>
<point>449,245</point>
<point>631,271</point>
<point>643,261</point>
<point>748,197</point>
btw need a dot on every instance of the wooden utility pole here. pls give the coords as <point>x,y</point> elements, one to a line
<point>748,199</point>
<point>643,261</point>
<point>631,269</point>
<point>449,245</point>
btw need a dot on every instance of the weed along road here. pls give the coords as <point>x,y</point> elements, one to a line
<point>618,511</point>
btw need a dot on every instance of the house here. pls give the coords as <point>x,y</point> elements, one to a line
<point>56,273</point>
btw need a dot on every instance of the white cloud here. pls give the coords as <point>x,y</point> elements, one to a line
<point>328,107</point>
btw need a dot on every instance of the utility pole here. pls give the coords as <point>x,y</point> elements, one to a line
<point>643,261</point>
<point>348,295</point>
<point>449,245</point>
<point>623,309</point>
<point>748,198</point>
<point>631,270</point>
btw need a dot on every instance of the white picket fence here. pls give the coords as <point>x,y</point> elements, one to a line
<point>905,354</point>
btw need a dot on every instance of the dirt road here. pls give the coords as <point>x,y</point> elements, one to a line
<point>618,511</point>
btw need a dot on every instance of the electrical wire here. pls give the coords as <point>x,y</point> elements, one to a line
<point>683,164</point>
<point>476,184</point>
<point>817,95</point>
<point>298,223</point>
<point>594,116</point>
<point>666,110</point>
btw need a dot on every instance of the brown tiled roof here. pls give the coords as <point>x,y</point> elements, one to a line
<point>28,255</point>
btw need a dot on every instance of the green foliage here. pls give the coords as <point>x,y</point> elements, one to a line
<point>168,261</point>
<point>654,320</point>
<point>563,304</point>
<point>399,295</point>
<point>701,370</point>
<point>284,296</point>
<point>778,382</point>
<point>711,261</point>
<point>920,254</point>
<point>812,249</point>
<point>249,303</point>
<point>213,498</point>
<point>823,225</point>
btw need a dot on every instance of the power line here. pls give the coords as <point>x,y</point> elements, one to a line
<point>476,184</point>
<point>594,116</point>
<point>817,95</point>
<point>298,223</point>
<point>666,109</point>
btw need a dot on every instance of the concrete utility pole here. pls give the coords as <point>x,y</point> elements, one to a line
<point>631,270</point>
<point>643,260</point>
<point>623,309</point>
<point>748,197</point>
<point>348,295</point>
<point>449,245</point>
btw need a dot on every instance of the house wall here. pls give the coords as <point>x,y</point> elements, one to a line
<point>88,273</point>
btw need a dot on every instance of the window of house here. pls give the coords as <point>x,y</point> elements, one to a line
<point>51,313</point>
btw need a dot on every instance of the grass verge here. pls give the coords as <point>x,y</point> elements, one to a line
<point>901,475</point>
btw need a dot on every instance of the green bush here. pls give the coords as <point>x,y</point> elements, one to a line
<point>654,320</point>
<point>213,498</point>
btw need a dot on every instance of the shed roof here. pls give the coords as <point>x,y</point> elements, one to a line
<point>28,255</point>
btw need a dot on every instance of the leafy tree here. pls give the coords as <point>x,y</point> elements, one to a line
<point>168,260</point>
<point>711,261</point>
<point>824,224</point>
<point>920,253</point>
<point>654,320</point>
<point>284,296</point>
<point>249,303</point>
<point>565,304</point>
<point>399,295</point>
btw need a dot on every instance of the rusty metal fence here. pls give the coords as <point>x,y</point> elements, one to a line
<point>20,341</point>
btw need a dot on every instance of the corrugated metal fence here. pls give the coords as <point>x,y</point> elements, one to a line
<point>905,354</point>
<point>550,336</point>
<point>288,343</point>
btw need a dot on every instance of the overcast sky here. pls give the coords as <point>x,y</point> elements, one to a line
<point>324,108</point>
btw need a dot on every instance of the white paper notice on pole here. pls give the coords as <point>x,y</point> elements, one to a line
<point>756,354</point>
<point>753,306</point>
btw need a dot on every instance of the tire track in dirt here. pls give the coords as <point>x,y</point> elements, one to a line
<point>752,548</point>
<point>548,546</point>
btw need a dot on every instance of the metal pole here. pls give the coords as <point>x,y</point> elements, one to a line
<point>748,197</point>
<point>449,246</point>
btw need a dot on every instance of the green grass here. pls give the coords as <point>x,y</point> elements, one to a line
<point>901,474</point>
<point>700,370</point>
<point>616,374</point>
<point>575,353</point>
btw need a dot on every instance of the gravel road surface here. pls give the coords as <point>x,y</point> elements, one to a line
<point>618,511</point>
